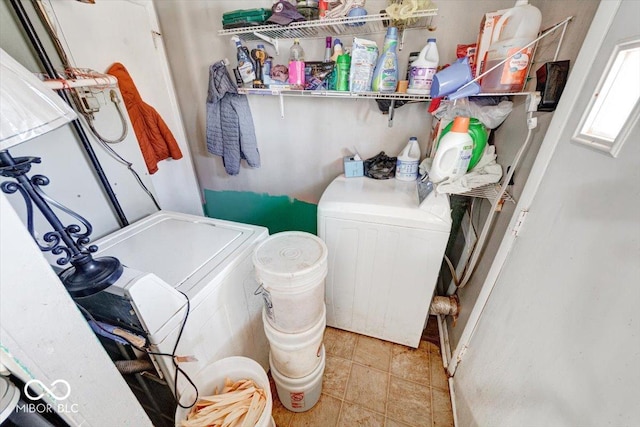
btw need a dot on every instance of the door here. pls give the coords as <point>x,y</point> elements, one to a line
<point>560,328</point>
<point>127,31</point>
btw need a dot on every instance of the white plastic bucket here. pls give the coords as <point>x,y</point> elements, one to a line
<point>213,376</point>
<point>299,394</point>
<point>291,268</point>
<point>296,355</point>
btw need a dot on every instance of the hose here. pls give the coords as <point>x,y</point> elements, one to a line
<point>133,366</point>
<point>116,101</point>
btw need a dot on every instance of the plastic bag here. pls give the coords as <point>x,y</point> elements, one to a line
<point>380,166</point>
<point>491,111</point>
<point>316,74</point>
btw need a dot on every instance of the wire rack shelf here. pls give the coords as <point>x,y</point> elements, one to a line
<point>338,27</point>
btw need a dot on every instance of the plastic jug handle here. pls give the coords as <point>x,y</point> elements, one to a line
<point>437,161</point>
<point>498,28</point>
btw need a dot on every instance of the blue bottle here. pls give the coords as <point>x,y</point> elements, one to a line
<point>385,76</point>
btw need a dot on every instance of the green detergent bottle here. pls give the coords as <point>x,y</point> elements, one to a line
<point>478,134</point>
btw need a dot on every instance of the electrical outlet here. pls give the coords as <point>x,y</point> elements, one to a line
<point>533,99</point>
<point>88,102</point>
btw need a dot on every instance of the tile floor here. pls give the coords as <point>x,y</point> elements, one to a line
<point>373,383</point>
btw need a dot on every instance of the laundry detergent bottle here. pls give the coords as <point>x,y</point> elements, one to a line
<point>516,28</point>
<point>422,70</point>
<point>454,153</point>
<point>407,162</point>
<point>385,75</point>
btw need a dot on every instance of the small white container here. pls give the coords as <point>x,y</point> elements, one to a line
<point>213,376</point>
<point>407,162</point>
<point>299,394</point>
<point>296,355</point>
<point>422,70</point>
<point>291,268</point>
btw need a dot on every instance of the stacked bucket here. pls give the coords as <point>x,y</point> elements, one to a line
<point>291,268</point>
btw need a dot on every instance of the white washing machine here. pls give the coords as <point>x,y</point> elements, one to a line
<point>209,260</point>
<point>385,252</point>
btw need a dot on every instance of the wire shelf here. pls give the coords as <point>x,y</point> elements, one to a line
<point>490,192</point>
<point>338,27</point>
<point>333,94</point>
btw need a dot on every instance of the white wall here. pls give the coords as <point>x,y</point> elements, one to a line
<point>302,153</point>
<point>558,341</point>
<point>43,336</point>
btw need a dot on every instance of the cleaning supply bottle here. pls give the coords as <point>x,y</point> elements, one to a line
<point>422,70</point>
<point>296,64</point>
<point>515,29</point>
<point>337,51</point>
<point>385,76</point>
<point>343,65</point>
<point>245,65</point>
<point>454,152</point>
<point>327,49</point>
<point>407,162</point>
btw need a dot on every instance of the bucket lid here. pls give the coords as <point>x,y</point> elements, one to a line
<point>290,259</point>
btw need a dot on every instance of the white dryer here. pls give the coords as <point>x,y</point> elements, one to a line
<point>385,252</point>
<point>208,260</point>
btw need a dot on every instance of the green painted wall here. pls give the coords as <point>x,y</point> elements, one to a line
<point>277,213</point>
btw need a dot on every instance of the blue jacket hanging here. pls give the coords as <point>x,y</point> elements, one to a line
<point>230,130</point>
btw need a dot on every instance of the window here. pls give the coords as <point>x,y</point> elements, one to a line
<point>614,107</point>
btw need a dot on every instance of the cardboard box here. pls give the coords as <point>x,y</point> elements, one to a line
<point>487,27</point>
<point>352,167</point>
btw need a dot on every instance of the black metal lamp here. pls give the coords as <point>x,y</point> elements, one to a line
<point>28,108</point>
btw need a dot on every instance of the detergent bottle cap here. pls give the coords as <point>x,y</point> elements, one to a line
<point>460,124</point>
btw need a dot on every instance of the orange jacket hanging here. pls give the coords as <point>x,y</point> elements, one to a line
<point>156,140</point>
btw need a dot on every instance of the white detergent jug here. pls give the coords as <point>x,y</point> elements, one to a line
<point>407,162</point>
<point>518,27</point>
<point>454,152</point>
<point>422,70</point>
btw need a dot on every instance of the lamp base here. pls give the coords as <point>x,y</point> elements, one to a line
<point>89,276</point>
